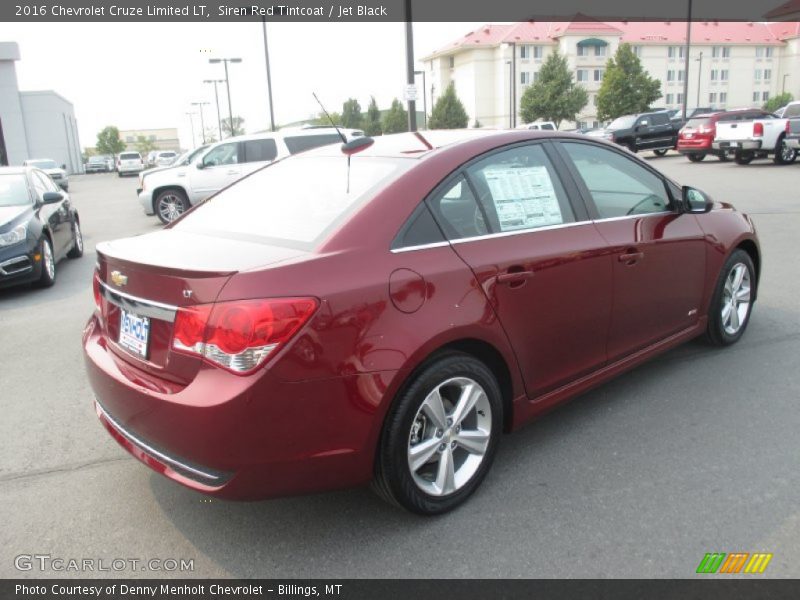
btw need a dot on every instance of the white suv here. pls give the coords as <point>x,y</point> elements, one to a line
<point>169,192</point>
<point>129,162</point>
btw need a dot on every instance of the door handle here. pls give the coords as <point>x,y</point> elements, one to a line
<point>233,172</point>
<point>630,257</point>
<point>515,278</point>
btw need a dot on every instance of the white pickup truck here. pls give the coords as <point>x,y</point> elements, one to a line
<point>758,138</point>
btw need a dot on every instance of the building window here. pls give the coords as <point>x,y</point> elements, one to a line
<point>767,74</point>
<point>524,78</point>
<point>676,51</point>
<point>714,74</point>
<point>723,97</point>
<point>452,61</point>
<point>582,75</point>
<point>599,50</point>
<point>524,52</point>
<point>721,52</point>
<point>594,99</point>
<point>583,50</point>
<point>679,99</point>
<point>723,75</point>
<point>712,98</point>
<point>755,96</point>
<point>671,75</point>
<point>538,52</point>
<point>758,74</point>
<point>670,98</point>
<point>768,52</point>
<point>129,139</point>
<point>535,76</point>
<point>637,51</point>
<point>764,96</point>
<point>598,74</point>
<point>764,51</point>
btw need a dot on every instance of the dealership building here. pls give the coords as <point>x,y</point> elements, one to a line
<point>39,124</point>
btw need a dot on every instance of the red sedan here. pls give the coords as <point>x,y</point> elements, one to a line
<point>333,320</point>
<point>695,138</point>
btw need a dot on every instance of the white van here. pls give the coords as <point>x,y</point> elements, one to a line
<point>129,162</point>
<point>169,192</point>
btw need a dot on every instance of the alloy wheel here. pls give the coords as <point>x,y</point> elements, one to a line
<point>47,257</point>
<point>171,206</point>
<point>736,298</point>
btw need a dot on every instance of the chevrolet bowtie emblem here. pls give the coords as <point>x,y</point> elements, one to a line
<point>118,278</point>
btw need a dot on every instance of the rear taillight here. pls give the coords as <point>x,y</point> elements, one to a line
<point>788,127</point>
<point>242,334</point>
<point>758,129</point>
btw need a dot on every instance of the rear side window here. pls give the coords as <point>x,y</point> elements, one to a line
<point>548,127</point>
<point>696,123</point>
<point>659,118</point>
<point>618,185</point>
<point>260,150</point>
<point>301,143</point>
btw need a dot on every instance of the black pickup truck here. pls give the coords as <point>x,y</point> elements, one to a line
<point>646,131</point>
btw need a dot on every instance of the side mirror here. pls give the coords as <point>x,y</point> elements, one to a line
<point>64,167</point>
<point>696,201</point>
<point>52,197</point>
<point>200,164</point>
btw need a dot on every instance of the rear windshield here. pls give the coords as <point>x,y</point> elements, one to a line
<point>622,122</point>
<point>299,143</point>
<point>294,202</point>
<point>697,123</point>
<point>130,156</point>
<point>547,127</point>
<point>167,155</point>
<point>13,190</point>
<point>42,164</point>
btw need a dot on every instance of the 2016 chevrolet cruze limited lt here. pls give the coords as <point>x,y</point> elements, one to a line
<point>385,312</point>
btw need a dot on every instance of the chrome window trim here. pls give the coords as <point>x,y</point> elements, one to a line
<point>420,247</point>
<point>139,306</point>
<point>212,478</point>
<point>488,236</point>
<point>637,216</point>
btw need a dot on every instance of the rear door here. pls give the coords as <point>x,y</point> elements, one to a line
<point>657,251</point>
<point>257,153</point>
<point>540,261</point>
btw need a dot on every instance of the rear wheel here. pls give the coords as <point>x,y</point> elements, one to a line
<point>48,276</point>
<point>440,437</point>
<point>784,155</point>
<point>660,152</point>
<point>732,301</point>
<point>743,158</point>
<point>631,146</point>
<point>723,157</point>
<point>696,157</point>
<point>170,204</point>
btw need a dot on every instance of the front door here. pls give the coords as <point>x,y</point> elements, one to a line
<point>541,263</point>
<point>658,251</point>
<point>219,167</point>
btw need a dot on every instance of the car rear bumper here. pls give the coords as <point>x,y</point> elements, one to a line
<point>124,169</point>
<point>793,142</point>
<point>237,437</point>
<point>693,146</point>
<point>737,145</point>
<point>146,200</point>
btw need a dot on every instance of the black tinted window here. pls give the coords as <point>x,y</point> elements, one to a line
<point>419,230</point>
<point>457,211</point>
<point>659,118</point>
<point>300,143</point>
<point>260,150</point>
<point>618,185</point>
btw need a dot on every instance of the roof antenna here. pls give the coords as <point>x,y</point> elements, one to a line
<point>341,135</point>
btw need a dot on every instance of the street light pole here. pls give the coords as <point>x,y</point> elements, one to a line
<point>699,75</point>
<point>269,78</point>
<point>510,94</point>
<point>191,124</point>
<point>686,60</point>
<point>412,104</point>
<point>225,61</point>
<point>424,100</point>
<point>216,101</point>
<point>202,120</point>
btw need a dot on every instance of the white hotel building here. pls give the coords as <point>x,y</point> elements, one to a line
<point>731,65</point>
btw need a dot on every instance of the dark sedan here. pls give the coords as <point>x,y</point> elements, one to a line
<point>38,227</point>
<point>385,311</point>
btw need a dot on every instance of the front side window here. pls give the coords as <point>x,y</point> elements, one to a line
<point>224,154</point>
<point>518,189</point>
<point>618,186</point>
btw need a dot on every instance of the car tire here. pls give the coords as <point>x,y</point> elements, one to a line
<point>723,157</point>
<point>77,241</point>
<point>48,276</point>
<point>696,157</point>
<point>743,158</point>
<point>631,146</point>
<point>732,302</point>
<point>424,426</point>
<point>170,204</point>
<point>784,155</point>
<point>660,152</point>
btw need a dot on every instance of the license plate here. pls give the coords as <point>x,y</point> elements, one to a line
<point>734,144</point>
<point>134,332</point>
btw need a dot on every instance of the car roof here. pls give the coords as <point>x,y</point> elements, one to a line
<point>14,170</point>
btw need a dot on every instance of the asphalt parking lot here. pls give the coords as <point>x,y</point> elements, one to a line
<point>694,452</point>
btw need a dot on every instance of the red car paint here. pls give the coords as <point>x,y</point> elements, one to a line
<point>697,140</point>
<point>554,312</point>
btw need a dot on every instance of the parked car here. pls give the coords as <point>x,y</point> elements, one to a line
<point>696,137</point>
<point>38,227</point>
<point>96,164</point>
<point>758,138</point>
<point>646,131</point>
<point>540,126</point>
<point>129,162</point>
<point>324,323</point>
<point>793,137</point>
<point>170,192</point>
<point>49,166</point>
<point>150,159</point>
<point>165,158</point>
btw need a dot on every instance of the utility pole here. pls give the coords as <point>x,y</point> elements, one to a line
<point>202,120</point>
<point>225,61</point>
<point>269,78</point>
<point>412,105</point>
<point>191,124</point>
<point>699,76</point>
<point>216,101</point>
<point>686,60</point>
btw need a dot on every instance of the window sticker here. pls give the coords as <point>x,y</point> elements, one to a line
<point>524,197</point>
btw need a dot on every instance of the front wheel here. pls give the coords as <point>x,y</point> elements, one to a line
<point>696,157</point>
<point>77,241</point>
<point>784,155</point>
<point>440,437</point>
<point>48,276</point>
<point>660,152</point>
<point>171,204</point>
<point>732,301</point>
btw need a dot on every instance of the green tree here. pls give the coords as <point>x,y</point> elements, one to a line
<point>238,126</point>
<point>554,96</point>
<point>322,119</point>
<point>109,142</point>
<point>351,114</point>
<point>776,102</point>
<point>627,88</point>
<point>210,135</point>
<point>372,125</point>
<point>396,118</point>
<point>144,145</point>
<point>448,112</point>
